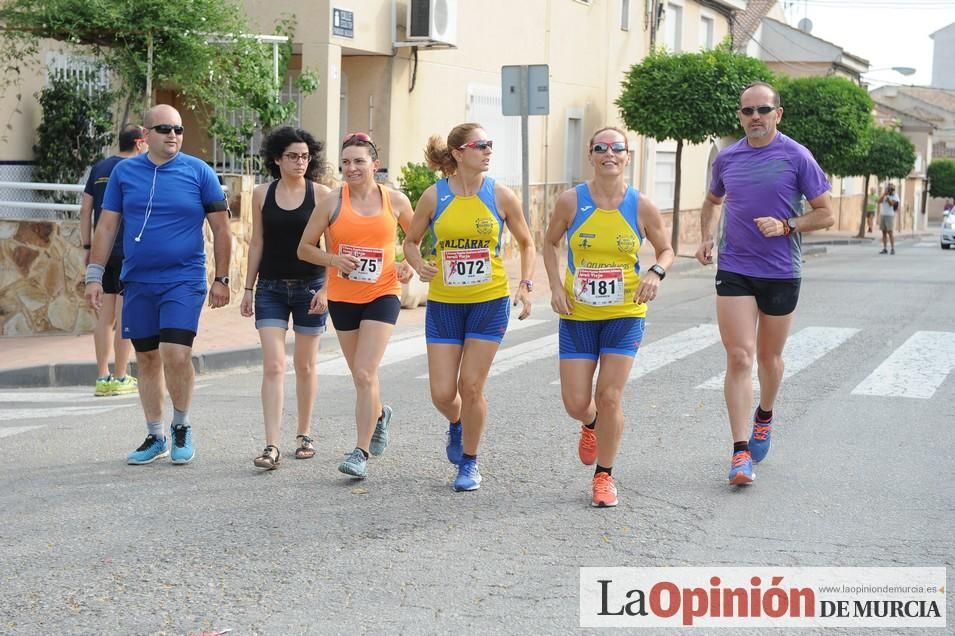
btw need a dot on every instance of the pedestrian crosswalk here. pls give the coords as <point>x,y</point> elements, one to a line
<point>918,366</point>
<point>915,369</point>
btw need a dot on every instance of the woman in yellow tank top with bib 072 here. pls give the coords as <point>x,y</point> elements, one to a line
<point>468,304</point>
<point>360,223</point>
<point>602,297</point>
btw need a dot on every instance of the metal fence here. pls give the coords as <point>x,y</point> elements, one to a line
<point>248,163</point>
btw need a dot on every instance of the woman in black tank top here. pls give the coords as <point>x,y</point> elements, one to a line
<point>286,286</point>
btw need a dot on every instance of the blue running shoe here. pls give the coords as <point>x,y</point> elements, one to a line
<point>356,465</point>
<point>379,439</point>
<point>182,450</point>
<point>149,451</point>
<point>760,440</point>
<point>468,476</point>
<point>455,446</point>
<point>741,470</point>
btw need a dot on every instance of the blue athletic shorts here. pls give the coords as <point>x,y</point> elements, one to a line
<point>277,299</point>
<point>589,339</point>
<point>452,323</point>
<point>162,312</point>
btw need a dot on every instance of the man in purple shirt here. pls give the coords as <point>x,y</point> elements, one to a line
<point>762,179</point>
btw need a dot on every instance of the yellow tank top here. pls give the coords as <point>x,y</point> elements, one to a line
<point>603,270</point>
<point>467,232</point>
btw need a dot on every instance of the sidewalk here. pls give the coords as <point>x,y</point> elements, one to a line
<point>227,340</point>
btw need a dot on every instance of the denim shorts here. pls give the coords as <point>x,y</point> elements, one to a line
<point>277,299</point>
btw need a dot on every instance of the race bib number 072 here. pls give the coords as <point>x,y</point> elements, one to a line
<point>467,267</point>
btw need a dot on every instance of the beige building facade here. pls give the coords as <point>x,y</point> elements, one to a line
<point>402,91</point>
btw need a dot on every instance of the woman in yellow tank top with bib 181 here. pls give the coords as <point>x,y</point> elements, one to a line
<point>468,304</point>
<point>602,298</point>
<point>360,223</point>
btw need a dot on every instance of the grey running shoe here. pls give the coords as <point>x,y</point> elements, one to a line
<point>356,465</point>
<point>379,439</point>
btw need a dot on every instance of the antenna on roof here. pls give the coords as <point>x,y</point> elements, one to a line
<point>805,25</point>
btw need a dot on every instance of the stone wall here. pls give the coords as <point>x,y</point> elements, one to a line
<point>42,269</point>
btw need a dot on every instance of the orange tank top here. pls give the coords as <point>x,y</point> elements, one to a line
<point>371,239</point>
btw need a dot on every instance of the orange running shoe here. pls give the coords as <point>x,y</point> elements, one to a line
<point>605,492</point>
<point>587,446</point>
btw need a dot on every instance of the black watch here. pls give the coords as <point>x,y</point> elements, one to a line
<point>659,271</point>
<point>221,279</point>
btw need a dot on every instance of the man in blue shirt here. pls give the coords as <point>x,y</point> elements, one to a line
<point>132,142</point>
<point>163,197</point>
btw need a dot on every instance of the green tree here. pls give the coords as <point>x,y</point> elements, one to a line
<point>888,155</point>
<point>75,130</point>
<point>194,47</point>
<point>688,97</point>
<point>830,116</point>
<point>414,179</point>
<point>941,174</point>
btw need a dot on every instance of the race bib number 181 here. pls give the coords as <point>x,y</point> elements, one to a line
<point>599,286</point>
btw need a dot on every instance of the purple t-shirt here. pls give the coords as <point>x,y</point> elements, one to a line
<point>767,181</point>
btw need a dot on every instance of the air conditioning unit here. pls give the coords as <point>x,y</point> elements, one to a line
<point>433,21</point>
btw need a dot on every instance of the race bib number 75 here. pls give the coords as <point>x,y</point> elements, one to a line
<point>370,262</point>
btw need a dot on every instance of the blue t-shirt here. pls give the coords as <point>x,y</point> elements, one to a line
<point>96,188</point>
<point>163,209</point>
<point>767,181</point>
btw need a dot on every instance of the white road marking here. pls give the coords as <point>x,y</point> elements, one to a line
<point>61,396</point>
<point>524,353</point>
<point>62,411</point>
<point>803,348</point>
<point>13,430</point>
<point>672,348</point>
<point>405,349</point>
<point>915,369</point>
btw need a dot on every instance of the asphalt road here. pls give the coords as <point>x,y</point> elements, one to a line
<point>860,475</point>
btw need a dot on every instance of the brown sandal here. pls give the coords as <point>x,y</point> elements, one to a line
<point>269,459</point>
<point>305,450</point>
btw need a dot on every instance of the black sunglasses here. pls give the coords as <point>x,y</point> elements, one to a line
<point>165,129</point>
<point>601,147</point>
<point>762,110</point>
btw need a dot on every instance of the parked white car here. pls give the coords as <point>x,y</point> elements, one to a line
<point>947,237</point>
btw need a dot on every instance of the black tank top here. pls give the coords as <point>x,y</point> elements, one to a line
<point>282,230</point>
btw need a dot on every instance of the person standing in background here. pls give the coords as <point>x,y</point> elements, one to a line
<point>108,331</point>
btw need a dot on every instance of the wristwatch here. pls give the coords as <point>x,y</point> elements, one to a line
<point>791,222</point>
<point>221,279</point>
<point>659,271</point>
<point>529,284</point>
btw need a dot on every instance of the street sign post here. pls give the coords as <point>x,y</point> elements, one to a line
<point>525,91</point>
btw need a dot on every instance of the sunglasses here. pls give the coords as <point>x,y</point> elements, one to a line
<point>295,157</point>
<point>762,110</point>
<point>165,129</point>
<point>601,147</point>
<point>480,144</point>
<point>357,138</point>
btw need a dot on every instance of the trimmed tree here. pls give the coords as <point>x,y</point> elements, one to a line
<point>75,130</point>
<point>888,155</point>
<point>687,97</point>
<point>941,174</point>
<point>194,47</point>
<point>830,116</point>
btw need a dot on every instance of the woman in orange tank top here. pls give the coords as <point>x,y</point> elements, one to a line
<point>360,223</point>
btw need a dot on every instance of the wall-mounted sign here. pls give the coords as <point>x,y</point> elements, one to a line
<point>343,23</point>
